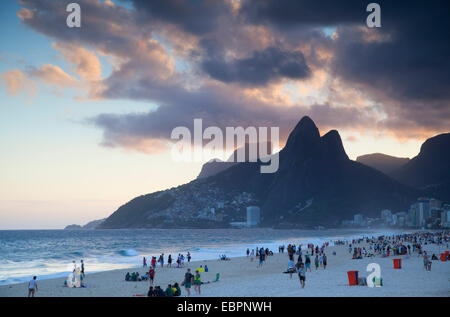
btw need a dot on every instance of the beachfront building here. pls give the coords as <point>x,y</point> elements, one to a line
<point>253,216</point>
<point>358,219</point>
<point>445,216</point>
<point>386,216</point>
<point>421,211</point>
<point>426,212</point>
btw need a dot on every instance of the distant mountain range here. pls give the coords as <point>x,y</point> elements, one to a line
<point>216,166</point>
<point>382,162</point>
<point>430,169</point>
<point>316,184</point>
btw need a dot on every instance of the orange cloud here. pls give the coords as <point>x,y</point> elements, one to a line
<point>16,81</point>
<point>25,14</point>
<point>54,75</point>
<point>86,64</point>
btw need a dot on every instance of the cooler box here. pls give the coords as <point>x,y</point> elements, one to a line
<point>443,257</point>
<point>397,263</point>
<point>352,278</point>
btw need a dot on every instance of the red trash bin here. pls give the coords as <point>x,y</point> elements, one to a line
<point>397,263</point>
<point>443,257</point>
<point>352,278</point>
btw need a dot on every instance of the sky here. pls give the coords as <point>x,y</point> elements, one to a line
<point>86,113</point>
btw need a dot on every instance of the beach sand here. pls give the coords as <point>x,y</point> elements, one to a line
<point>240,277</point>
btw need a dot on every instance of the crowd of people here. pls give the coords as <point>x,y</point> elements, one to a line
<point>402,244</point>
<point>302,266</point>
<point>180,260</point>
<point>300,258</point>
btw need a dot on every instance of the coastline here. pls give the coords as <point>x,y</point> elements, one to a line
<point>241,277</point>
<point>130,256</point>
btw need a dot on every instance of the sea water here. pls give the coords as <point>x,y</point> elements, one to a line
<point>50,253</point>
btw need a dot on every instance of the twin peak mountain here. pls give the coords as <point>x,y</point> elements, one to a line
<point>316,184</point>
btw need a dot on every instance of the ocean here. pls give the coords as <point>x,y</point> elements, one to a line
<point>49,253</point>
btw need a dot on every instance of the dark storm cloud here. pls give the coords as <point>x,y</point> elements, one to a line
<point>288,13</point>
<point>194,16</point>
<point>260,68</point>
<point>407,68</point>
<point>404,65</point>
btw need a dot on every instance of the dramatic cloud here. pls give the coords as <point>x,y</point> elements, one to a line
<point>255,63</point>
<point>195,16</point>
<point>260,68</point>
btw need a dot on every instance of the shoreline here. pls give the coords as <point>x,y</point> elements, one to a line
<point>241,277</point>
<point>211,253</point>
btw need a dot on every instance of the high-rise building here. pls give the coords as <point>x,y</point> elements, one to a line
<point>253,216</point>
<point>358,219</point>
<point>386,215</point>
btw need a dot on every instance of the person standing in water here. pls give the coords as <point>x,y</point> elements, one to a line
<point>189,257</point>
<point>32,287</point>
<point>82,268</point>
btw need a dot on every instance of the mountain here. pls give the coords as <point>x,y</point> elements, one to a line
<point>382,162</point>
<point>89,226</point>
<point>216,166</point>
<point>430,169</point>
<point>316,184</point>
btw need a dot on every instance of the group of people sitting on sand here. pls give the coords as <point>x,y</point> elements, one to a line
<point>135,277</point>
<point>171,291</point>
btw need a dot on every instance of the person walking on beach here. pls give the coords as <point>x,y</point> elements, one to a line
<point>261,258</point>
<point>161,260</point>
<point>324,261</point>
<point>169,261</point>
<point>144,260</point>
<point>316,262</point>
<point>308,263</point>
<point>32,287</point>
<point>189,257</point>
<point>252,255</point>
<point>248,252</point>
<point>187,281</point>
<point>153,263</point>
<point>302,275</point>
<point>151,275</point>
<point>291,267</point>
<point>197,282</point>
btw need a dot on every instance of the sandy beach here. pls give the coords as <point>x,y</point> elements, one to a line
<point>241,277</point>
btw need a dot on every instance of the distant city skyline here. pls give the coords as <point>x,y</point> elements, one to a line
<point>86,113</point>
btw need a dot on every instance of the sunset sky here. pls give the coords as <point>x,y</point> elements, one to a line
<point>86,113</point>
